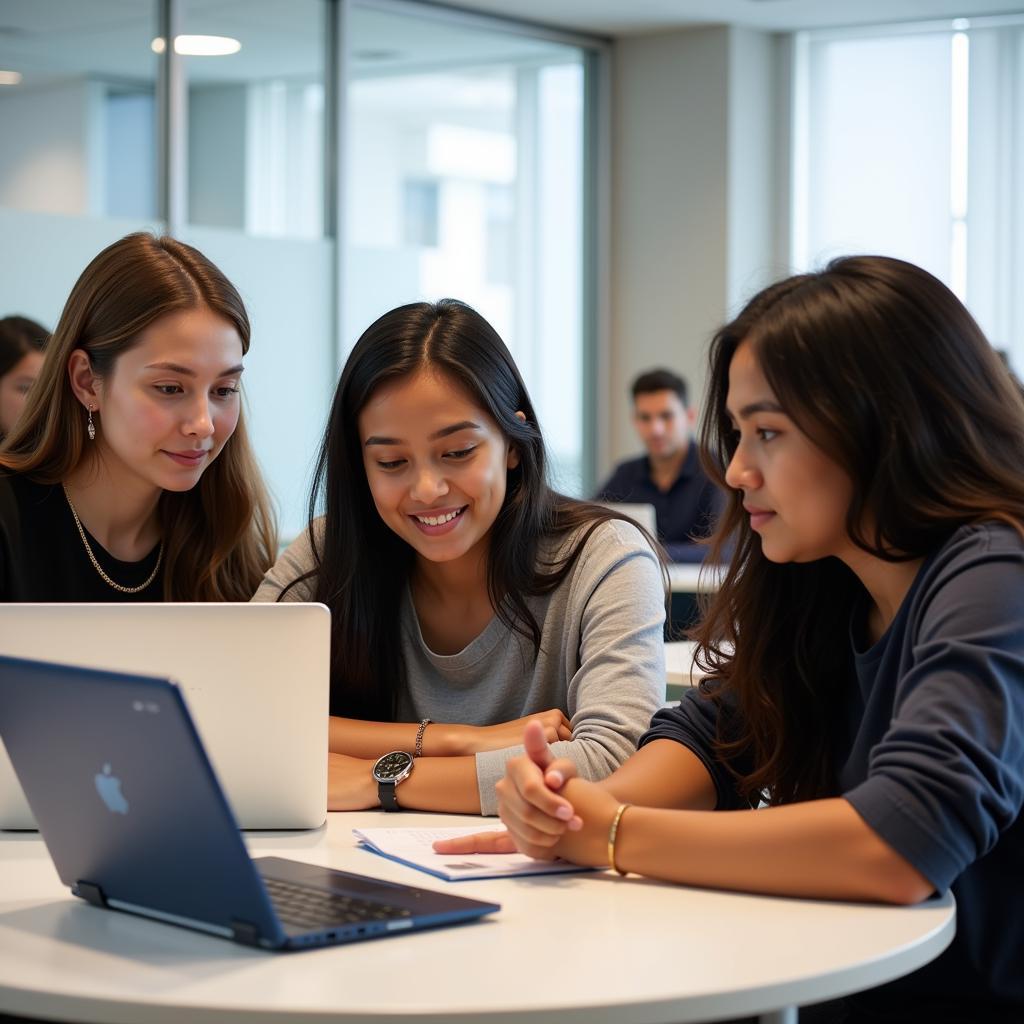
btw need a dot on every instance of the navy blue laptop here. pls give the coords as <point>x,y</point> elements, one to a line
<point>135,820</point>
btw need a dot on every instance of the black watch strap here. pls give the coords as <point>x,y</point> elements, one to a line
<point>386,796</point>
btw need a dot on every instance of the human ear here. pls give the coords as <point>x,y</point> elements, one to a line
<point>512,459</point>
<point>84,383</point>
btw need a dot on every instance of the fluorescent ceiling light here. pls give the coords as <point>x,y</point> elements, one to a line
<point>10,77</point>
<point>200,46</point>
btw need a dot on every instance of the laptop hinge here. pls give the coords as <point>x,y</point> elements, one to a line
<point>243,931</point>
<point>90,892</point>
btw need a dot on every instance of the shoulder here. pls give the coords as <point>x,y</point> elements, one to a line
<point>296,560</point>
<point>20,493</point>
<point>973,552</point>
<point>974,580</point>
<point>631,468</point>
<point>603,546</point>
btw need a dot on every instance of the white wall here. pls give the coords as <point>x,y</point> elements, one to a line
<point>216,155</point>
<point>50,147</point>
<point>758,143</point>
<point>694,222</point>
<point>44,254</point>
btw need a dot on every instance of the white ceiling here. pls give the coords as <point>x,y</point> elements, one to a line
<point>629,17</point>
<point>285,38</point>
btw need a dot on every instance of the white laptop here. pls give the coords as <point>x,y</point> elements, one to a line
<point>255,676</point>
<point>639,512</point>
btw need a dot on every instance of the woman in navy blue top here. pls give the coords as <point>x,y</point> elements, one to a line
<point>865,654</point>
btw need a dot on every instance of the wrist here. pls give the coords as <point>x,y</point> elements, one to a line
<point>372,800</point>
<point>614,837</point>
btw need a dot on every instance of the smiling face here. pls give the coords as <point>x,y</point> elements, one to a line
<point>14,388</point>
<point>171,401</point>
<point>436,464</point>
<point>796,496</point>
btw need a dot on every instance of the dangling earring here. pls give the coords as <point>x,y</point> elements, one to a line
<point>90,427</point>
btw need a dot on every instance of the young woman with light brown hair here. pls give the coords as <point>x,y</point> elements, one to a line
<point>129,474</point>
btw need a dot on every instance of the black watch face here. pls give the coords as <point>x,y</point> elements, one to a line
<point>391,766</point>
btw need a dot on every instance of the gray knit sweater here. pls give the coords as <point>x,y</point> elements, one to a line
<point>602,660</point>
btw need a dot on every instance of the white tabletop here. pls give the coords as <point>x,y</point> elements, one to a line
<point>574,949</point>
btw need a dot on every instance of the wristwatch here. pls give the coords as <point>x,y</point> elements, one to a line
<point>389,771</point>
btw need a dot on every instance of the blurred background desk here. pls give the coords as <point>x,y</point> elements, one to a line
<point>686,582</point>
<point>565,949</point>
<point>680,671</point>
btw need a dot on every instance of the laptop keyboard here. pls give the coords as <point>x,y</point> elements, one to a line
<point>315,909</point>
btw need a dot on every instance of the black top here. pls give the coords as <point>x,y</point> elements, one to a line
<point>930,753</point>
<point>42,557</point>
<point>685,512</point>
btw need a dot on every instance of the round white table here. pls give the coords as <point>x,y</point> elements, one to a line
<point>588,948</point>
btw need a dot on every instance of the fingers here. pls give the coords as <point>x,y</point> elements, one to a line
<point>559,772</point>
<point>524,781</point>
<point>479,842</point>
<point>536,816</point>
<point>536,744</point>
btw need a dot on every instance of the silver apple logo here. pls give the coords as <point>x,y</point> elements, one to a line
<point>109,788</point>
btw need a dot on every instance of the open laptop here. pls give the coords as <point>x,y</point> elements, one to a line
<point>639,512</point>
<point>134,818</point>
<point>257,678</point>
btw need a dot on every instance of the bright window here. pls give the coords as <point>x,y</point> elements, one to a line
<point>909,141</point>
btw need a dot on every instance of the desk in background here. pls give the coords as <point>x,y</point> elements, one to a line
<point>680,671</point>
<point>565,949</point>
<point>686,582</point>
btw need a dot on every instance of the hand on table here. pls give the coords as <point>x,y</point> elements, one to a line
<point>548,812</point>
<point>350,785</point>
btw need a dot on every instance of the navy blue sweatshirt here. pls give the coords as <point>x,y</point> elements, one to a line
<point>931,755</point>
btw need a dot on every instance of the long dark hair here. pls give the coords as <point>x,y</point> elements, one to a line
<point>883,368</point>
<point>219,537</point>
<point>361,566</point>
<point>18,336</point>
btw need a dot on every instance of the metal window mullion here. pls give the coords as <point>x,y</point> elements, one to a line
<point>172,145</point>
<point>596,289</point>
<point>336,171</point>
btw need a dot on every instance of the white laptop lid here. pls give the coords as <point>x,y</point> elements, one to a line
<point>639,512</point>
<point>256,678</point>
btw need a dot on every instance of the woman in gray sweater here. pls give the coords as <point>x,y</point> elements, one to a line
<point>467,596</point>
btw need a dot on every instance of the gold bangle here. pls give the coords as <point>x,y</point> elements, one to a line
<point>613,832</point>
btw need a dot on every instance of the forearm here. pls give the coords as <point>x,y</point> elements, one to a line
<point>663,774</point>
<point>819,849</point>
<point>445,784</point>
<point>370,739</point>
<point>357,738</point>
<point>436,784</point>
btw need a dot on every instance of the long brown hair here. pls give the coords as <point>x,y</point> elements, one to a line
<point>361,566</point>
<point>883,368</point>
<point>219,537</point>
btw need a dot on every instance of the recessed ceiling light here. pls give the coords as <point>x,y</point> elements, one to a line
<point>10,77</point>
<point>199,46</point>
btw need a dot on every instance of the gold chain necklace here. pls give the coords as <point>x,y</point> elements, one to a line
<point>99,568</point>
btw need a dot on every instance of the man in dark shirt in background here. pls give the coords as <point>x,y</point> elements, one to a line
<point>669,476</point>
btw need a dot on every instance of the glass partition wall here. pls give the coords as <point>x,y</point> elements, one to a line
<point>465,177</point>
<point>335,158</point>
